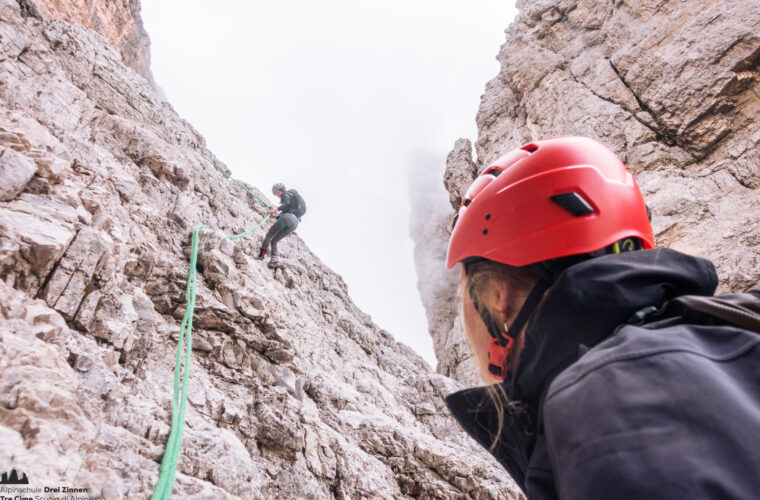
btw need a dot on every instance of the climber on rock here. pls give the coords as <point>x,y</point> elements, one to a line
<point>292,208</point>
<point>607,380</point>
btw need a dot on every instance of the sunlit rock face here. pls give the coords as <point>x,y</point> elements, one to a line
<point>294,392</point>
<point>672,87</point>
<point>118,21</point>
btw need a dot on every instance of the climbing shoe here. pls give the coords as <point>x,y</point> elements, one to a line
<point>262,255</point>
<point>272,262</point>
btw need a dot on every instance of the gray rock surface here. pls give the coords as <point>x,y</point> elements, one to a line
<point>119,21</point>
<point>460,171</point>
<point>293,393</point>
<point>672,87</point>
<point>16,170</point>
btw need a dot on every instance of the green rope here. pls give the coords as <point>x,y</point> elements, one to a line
<point>165,483</point>
<point>163,489</point>
<point>243,235</point>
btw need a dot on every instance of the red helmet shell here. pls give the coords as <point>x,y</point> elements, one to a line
<point>507,214</point>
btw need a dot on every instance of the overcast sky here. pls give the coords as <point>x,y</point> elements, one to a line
<point>342,100</point>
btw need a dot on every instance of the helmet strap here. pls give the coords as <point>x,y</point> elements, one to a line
<point>500,349</point>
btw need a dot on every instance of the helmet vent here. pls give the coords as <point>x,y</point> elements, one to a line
<point>530,148</point>
<point>467,202</point>
<point>573,203</point>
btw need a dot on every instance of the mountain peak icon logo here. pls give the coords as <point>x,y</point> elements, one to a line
<point>12,478</point>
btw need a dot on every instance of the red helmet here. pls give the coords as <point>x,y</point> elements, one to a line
<point>548,199</point>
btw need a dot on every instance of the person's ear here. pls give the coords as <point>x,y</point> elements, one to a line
<point>502,291</point>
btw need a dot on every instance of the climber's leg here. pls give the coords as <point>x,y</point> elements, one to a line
<point>272,236</point>
<point>287,223</point>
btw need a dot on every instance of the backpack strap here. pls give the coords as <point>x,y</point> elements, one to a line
<point>740,309</point>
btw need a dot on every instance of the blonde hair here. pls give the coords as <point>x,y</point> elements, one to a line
<point>503,404</point>
<point>479,279</point>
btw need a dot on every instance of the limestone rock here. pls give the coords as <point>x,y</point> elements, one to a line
<point>293,392</point>
<point>460,171</point>
<point>671,87</point>
<point>33,236</point>
<point>16,170</point>
<point>23,139</point>
<point>119,22</point>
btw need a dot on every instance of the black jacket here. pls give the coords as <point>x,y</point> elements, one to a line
<point>647,413</point>
<point>289,202</point>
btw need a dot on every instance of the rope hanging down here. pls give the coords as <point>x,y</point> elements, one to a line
<point>163,489</point>
<point>165,483</point>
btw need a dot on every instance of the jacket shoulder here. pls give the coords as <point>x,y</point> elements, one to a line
<point>644,350</point>
<point>630,411</point>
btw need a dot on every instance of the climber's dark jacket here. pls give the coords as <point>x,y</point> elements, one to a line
<point>289,202</point>
<point>655,413</point>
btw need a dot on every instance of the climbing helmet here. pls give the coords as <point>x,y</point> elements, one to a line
<point>549,199</point>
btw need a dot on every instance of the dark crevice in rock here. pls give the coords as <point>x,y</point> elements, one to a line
<point>749,63</point>
<point>655,129</point>
<point>28,10</point>
<point>21,54</point>
<point>664,134</point>
<point>612,101</point>
<point>49,276</point>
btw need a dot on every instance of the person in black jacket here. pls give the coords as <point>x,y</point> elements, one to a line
<point>600,388</point>
<point>292,208</point>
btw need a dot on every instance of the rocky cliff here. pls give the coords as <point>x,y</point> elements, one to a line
<point>293,393</point>
<point>671,87</point>
<point>118,21</point>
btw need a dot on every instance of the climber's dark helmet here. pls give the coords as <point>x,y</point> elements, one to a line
<point>278,187</point>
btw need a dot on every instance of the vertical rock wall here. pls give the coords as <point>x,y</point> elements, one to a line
<point>294,392</point>
<point>673,87</point>
<point>118,21</point>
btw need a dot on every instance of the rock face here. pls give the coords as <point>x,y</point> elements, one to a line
<point>672,87</point>
<point>118,21</point>
<point>428,223</point>
<point>294,392</point>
